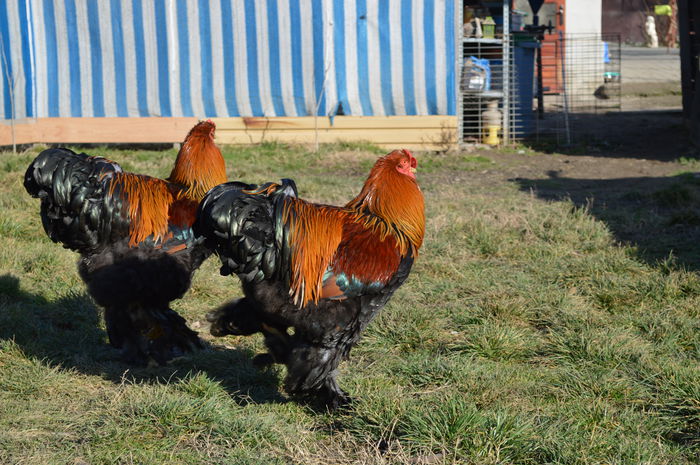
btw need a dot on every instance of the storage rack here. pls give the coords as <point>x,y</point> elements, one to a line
<point>472,102</point>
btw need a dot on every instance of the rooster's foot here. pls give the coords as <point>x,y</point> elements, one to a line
<point>335,399</point>
<point>236,318</point>
<point>132,354</point>
<point>173,345</point>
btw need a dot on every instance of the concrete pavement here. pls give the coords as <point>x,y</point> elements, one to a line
<point>650,65</point>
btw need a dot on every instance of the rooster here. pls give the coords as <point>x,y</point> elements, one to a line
<point>323,270</point>
<point>134,237</point>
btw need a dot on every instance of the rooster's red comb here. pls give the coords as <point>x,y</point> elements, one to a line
<point>204,127</point>
<point>414,162</point>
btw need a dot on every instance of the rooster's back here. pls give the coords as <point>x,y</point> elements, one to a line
<point>73,189</point>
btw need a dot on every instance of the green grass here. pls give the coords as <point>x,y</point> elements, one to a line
<point>526,334</point>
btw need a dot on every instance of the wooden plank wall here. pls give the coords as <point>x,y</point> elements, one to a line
<point>412,132</point>
<point>97,130</point>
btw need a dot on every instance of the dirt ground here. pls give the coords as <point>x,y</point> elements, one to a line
<point>637,172</point>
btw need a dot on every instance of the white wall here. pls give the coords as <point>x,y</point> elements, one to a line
<point>583,16</point>
<point>584,48</point>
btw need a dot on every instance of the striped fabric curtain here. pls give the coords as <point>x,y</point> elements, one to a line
<point>218,58</point>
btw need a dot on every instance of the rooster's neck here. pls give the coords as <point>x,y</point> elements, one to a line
<point>199,167</point>
<point>395,206</point>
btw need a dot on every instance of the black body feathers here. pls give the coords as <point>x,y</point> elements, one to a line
<point>242,222</point>
<point>75,208</point>
<point>81,209</point>
<point>244,225</point>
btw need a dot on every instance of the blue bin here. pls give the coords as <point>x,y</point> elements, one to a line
<point>524,62</point>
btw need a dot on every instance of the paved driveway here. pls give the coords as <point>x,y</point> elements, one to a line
<point>641,65</point>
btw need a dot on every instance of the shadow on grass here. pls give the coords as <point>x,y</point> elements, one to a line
<point>652,134</point>
<point>658,215</point>
<point>66,332</point>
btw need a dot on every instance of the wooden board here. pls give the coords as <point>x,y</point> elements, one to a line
<point>339,122</point>
<point>415,132</point>
<point>98,130</point>
<point>309,135</point>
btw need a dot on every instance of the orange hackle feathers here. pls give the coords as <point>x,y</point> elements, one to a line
<point>315,232</point>
<point>199,165</point>
<point>148,199</point>
<point>363,237</point>
<point>366,257</point>
<point>154,203</point>
<point>183,211</point>
<point>394,200</point>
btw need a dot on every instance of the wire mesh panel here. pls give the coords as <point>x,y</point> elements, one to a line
<point>510,63</point>
<point>587,82</point>
<point>592,73</point>
<point>499,76</point>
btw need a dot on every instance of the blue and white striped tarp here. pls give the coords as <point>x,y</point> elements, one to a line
<point>218,58</point>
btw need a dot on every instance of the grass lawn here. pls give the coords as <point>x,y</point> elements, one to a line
<point>526,334</point>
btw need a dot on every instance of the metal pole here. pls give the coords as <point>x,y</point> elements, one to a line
<point>565,92</point>
<point>459,57</point>
<point>11,84</point>
<point>326,68</point>
<point>507,56</point>
<point>540,87</point>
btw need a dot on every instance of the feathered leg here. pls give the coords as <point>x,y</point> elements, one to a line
<point>312,371</point>
<point>238,318</point>
<point>277,342</point>
<point>241,318</point>
<point>165,334</point>
<point>118,326</point>
<point>135,286</point>
<point>123,335</point>
<point>143,334</point>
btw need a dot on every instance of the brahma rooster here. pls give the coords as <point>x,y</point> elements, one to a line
<point>134,237</point>
<point>323,270</point>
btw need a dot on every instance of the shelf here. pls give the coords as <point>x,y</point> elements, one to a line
<point>474,40</point>
<point>483,94</point>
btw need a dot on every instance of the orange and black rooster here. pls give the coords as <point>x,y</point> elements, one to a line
<point>325,271</point>
<point>134,236</point>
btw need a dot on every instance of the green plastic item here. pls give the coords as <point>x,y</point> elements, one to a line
<point>663,10</point>
<point>488,27</point>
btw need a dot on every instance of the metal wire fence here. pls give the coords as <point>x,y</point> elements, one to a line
<point>584,79</point>
<point>581,76</point>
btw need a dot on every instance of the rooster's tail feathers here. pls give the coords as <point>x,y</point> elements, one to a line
<point>70,185</point>
<point>241,223</point>
<point>55,173</point>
